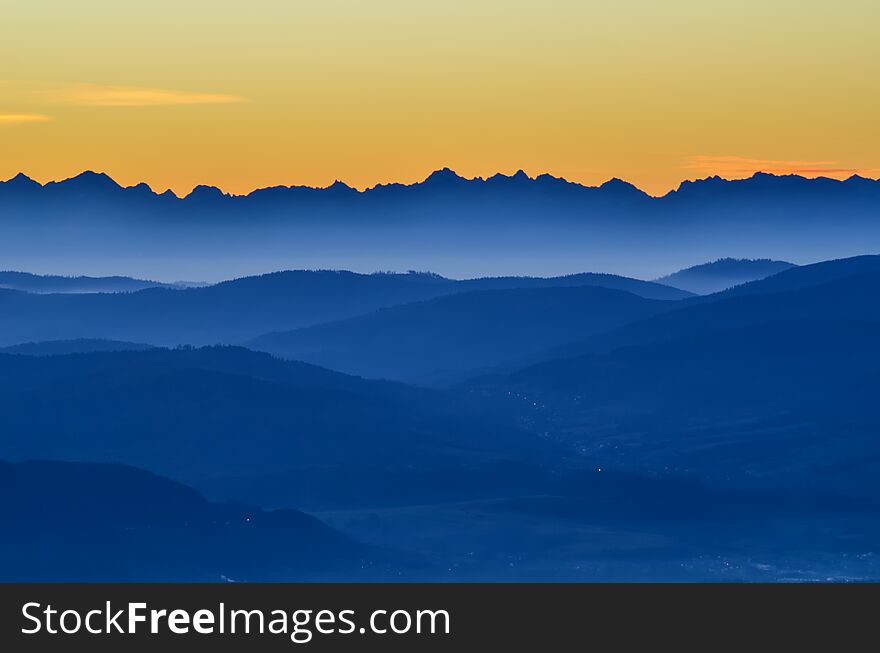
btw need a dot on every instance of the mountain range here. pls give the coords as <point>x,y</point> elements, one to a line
<point>503,225</point>
<point>91,184</point>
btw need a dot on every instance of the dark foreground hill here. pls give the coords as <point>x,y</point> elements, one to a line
<point>94,522</point>
<point>459,335</point>
<point>100,522</point>
<point>240,424</point>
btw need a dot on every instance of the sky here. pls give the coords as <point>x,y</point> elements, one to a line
<point>247,95</point>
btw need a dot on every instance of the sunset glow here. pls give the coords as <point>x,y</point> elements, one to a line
<point>373,92</point>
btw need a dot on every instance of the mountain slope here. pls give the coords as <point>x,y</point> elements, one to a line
<point>773,389</point>
<point>843,289</point>
<point>807,276</point>
<point>724,273</point>
<point>452,336</point>
<point>239,424</point>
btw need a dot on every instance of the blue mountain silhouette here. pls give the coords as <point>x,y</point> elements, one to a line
<point>542,226</point>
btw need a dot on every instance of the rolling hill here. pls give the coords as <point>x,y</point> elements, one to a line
<point>841,289</point>
<point>242,425</point>
<point>455,336</point>
<point>237,310</point>
<point>722,274</point>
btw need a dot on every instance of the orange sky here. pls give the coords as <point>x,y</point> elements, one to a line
<point>270,92</point>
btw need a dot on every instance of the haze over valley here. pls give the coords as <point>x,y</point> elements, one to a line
<point>585,427</point>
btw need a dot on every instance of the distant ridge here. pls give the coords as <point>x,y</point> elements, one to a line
<point>45,284</point>
<point>78,346</point>
<point>93,182</point>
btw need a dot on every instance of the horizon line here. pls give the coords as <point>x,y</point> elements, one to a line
<point>519,174</point>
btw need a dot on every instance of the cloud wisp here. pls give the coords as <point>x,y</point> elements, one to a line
<point>739,165</point>
<point>97,95</point>
<point>22,118</point>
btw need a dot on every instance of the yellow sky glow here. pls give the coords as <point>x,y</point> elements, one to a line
<point>278,92</point>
